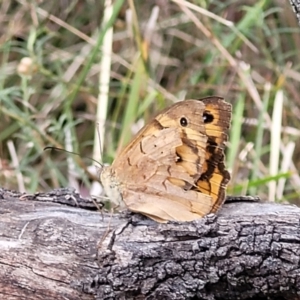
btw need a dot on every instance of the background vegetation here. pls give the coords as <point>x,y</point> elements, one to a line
<point>55,84</point>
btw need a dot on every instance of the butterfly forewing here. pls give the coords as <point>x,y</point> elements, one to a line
<point>174,168</point>
<point>215,177</point>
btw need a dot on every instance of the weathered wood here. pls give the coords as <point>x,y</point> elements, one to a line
<point>296,8</point>
<point>53,251</point>
<point>46,249</point>
<point>249,250</point>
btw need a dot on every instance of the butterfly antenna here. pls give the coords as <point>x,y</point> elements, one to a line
<point>70,152</point>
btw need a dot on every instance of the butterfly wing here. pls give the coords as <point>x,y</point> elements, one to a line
<point>159,169</point>
<point>165,172</point>
<point>215,177</point>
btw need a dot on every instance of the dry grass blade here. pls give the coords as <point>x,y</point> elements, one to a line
<point>104,80</point>
<point>275,142</point>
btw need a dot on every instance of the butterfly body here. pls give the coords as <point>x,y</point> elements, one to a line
<point>173,170</point>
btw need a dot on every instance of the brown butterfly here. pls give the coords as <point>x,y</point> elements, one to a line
<point>174,167</point>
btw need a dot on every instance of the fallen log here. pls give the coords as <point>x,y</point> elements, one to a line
<point>51,250</point>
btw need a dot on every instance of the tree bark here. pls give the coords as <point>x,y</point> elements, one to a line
<point>54,251</point>
<point>296,8</point>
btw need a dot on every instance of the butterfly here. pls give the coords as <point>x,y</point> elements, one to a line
<point>173,169</point>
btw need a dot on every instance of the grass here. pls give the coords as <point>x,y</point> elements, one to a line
<point>56,85</point>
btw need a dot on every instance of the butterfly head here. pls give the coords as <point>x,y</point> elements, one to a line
<point>112,186</point>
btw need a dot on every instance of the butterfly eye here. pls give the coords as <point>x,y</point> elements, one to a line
<point>207,117</point>
<point>183,122</point>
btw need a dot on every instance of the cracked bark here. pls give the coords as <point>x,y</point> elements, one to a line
<point>296,8</point>
<point>54,251</point>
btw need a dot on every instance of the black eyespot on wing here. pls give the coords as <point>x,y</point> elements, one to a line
<point>207,117</point>
<point>183,122</point>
